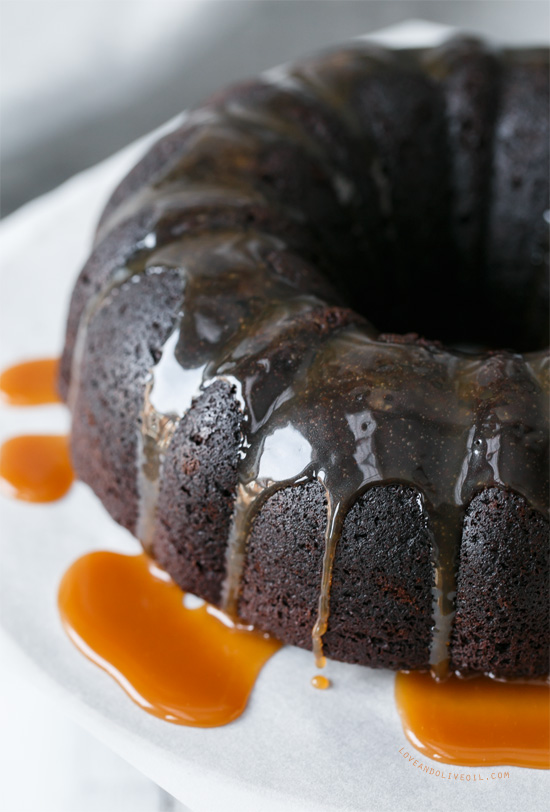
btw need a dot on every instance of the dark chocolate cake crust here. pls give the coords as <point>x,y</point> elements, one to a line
<point>375,496</point>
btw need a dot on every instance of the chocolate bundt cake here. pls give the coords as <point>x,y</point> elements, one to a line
<point>376,496</point>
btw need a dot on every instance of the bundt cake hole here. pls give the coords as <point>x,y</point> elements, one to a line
<point>449,316</point>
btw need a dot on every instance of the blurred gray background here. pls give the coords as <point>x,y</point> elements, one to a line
<point>79,79</point>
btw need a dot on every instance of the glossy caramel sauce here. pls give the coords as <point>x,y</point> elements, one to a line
<point>478,721</point>
<point>31,383</point>
<point>320,682</point>
<point>187,666</point>
<point>36,467</point>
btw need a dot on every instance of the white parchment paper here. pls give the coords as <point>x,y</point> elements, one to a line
<point>295,748</point>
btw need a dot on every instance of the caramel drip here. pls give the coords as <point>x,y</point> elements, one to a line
<point>35,467</point>
<point>154,438</point>
<point>446,527</point>
<point>477,721</point>
<point>332,535</point>
<point>246,506</point>
<point>31,383</point>
<point>167,396</point>
<point>189,665</point>
<point>320,682</point>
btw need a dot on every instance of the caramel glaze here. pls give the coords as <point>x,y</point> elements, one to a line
<point>31,383</point>
<point>352,408</point>
<point>36,467</point>
<point>189,666</point>
<point>477,721</point>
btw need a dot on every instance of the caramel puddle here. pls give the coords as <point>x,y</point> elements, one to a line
<point>476,722</point>
<point>31,383</point>
<point>36,467</point>
<point>187,666</point>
